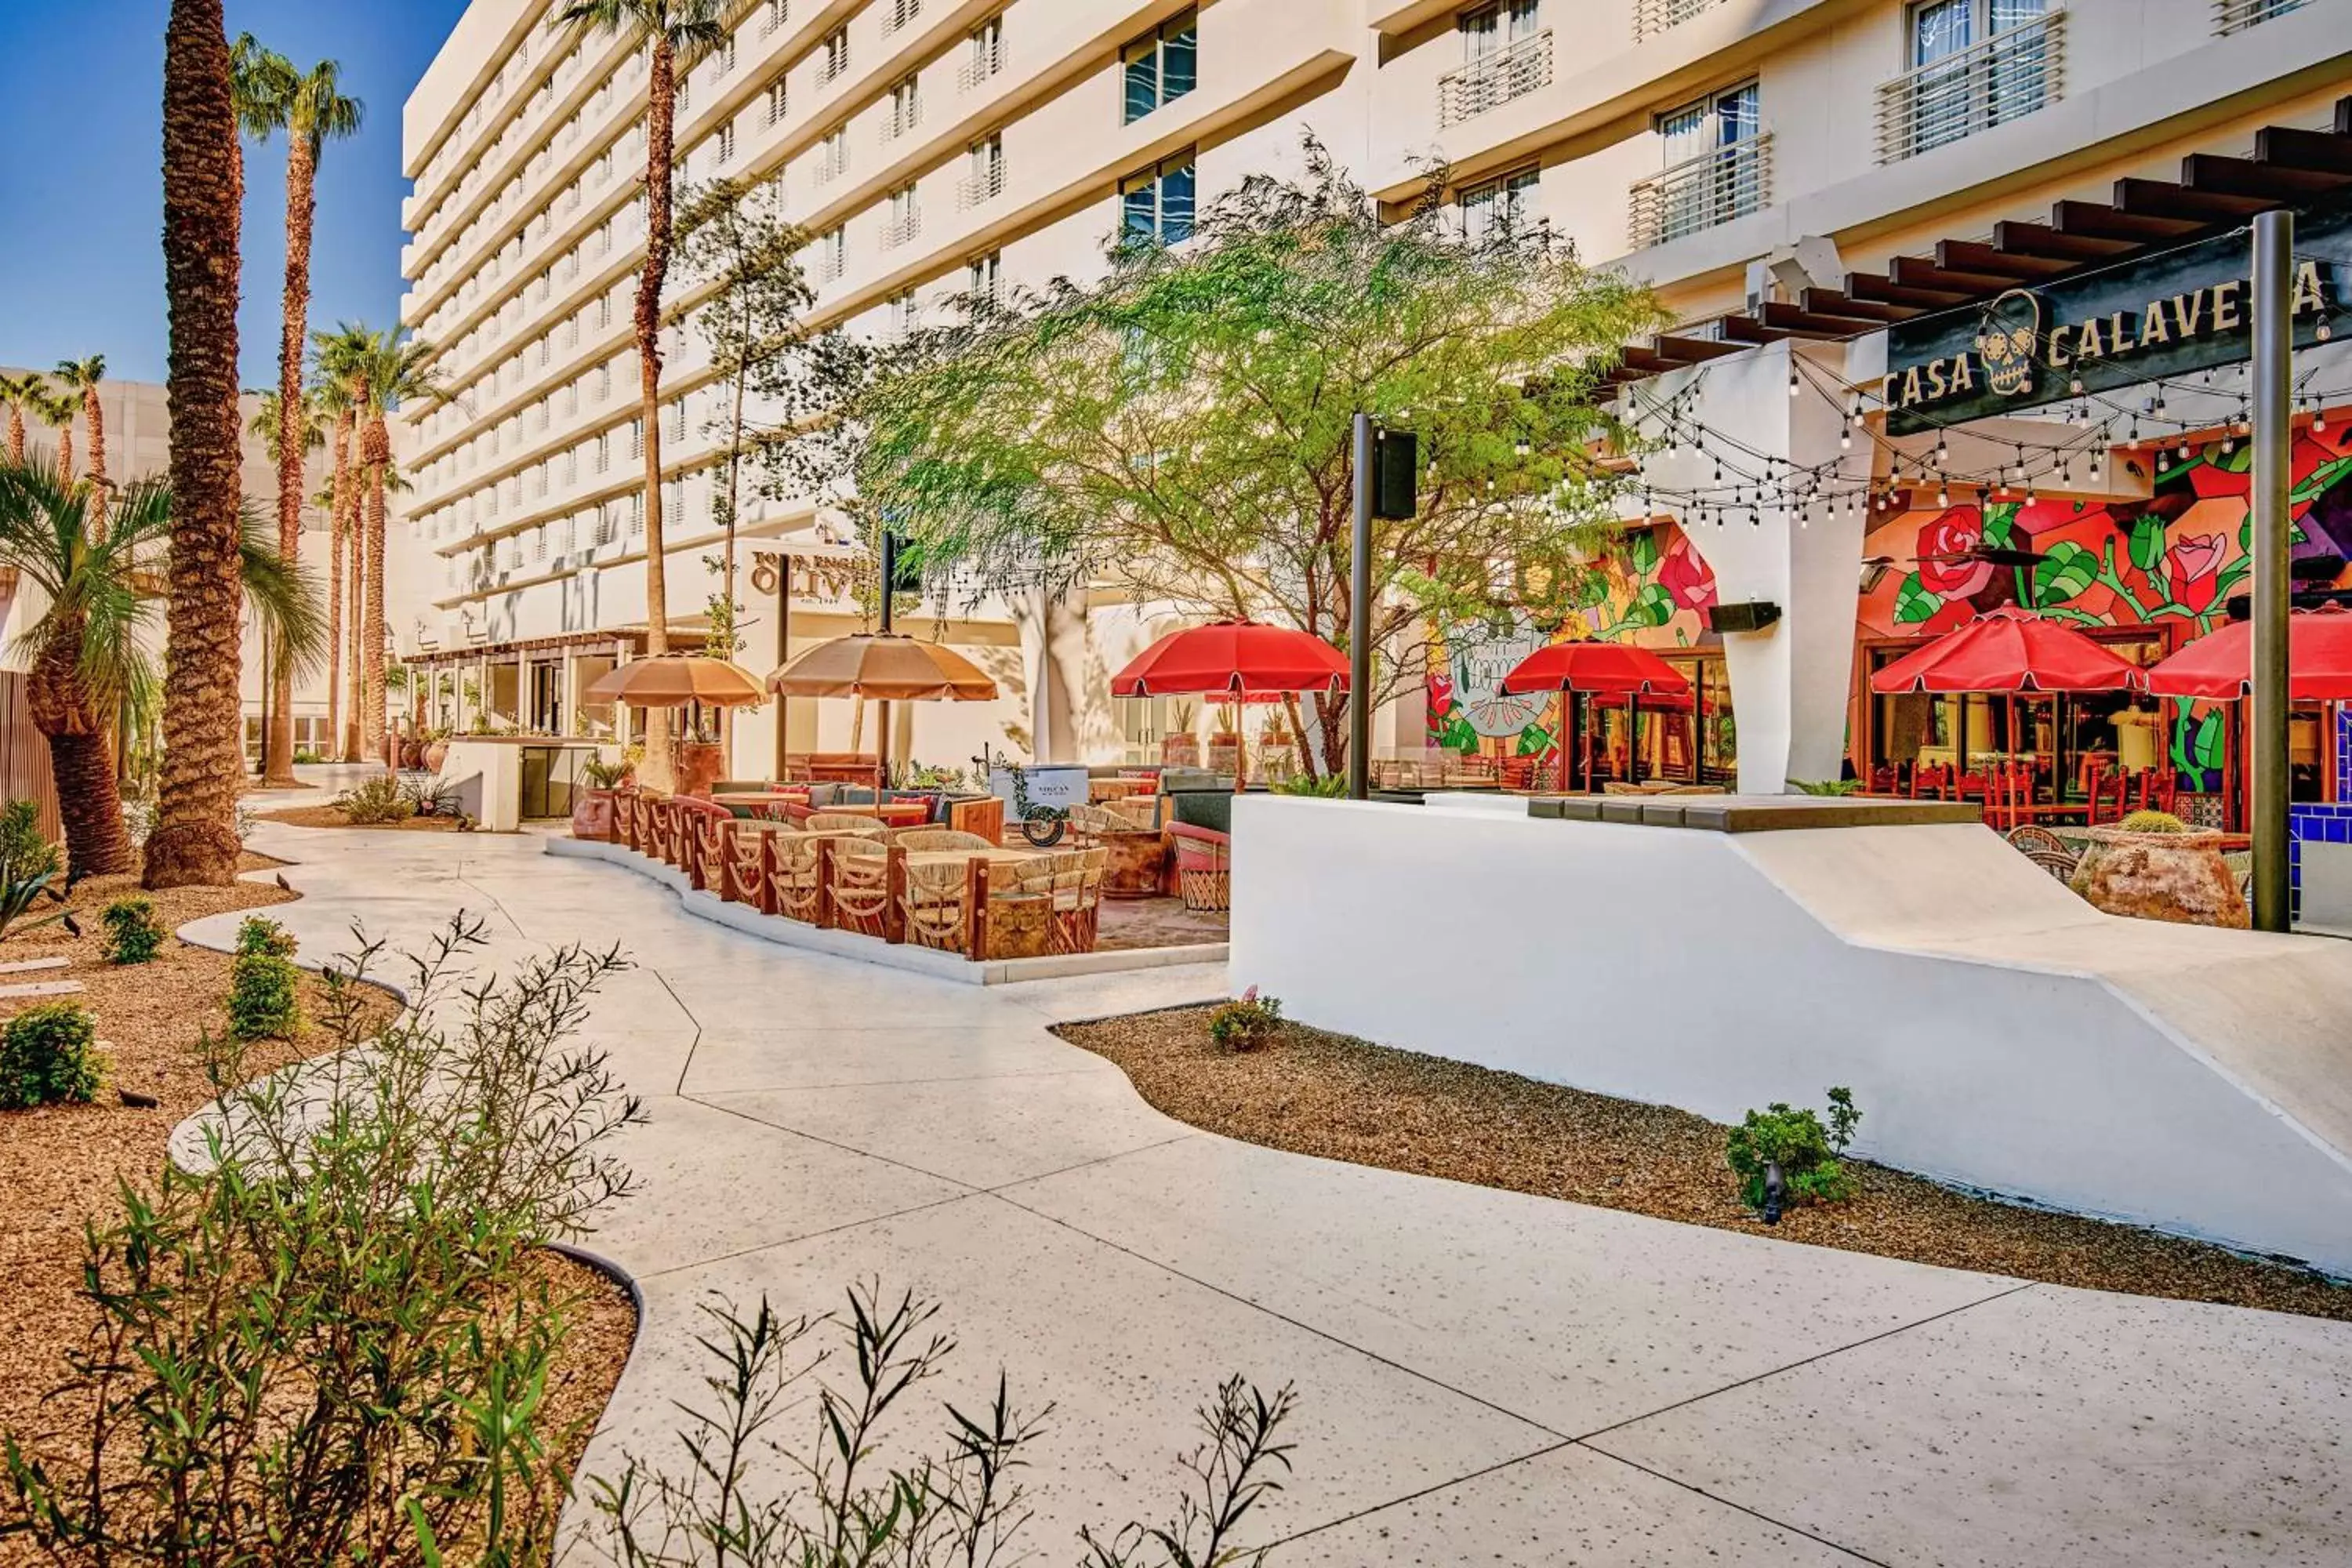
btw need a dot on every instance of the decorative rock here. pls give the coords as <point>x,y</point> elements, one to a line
<point>27,965</point>
<point>44,988</point>
<point>2175,877</point>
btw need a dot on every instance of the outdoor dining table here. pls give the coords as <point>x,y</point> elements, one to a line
<point>762,803</point>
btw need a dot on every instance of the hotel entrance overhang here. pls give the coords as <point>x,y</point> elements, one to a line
<point>2050,417</point>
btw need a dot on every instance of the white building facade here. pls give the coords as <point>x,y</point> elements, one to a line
<point>934,146</point>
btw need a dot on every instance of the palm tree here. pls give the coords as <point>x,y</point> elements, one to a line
<point>675,34</point>
<point>79,380</point>
<point>393,372</point>
<point>269,425</point>
<point>311,110</point>
<point>194,837</point>
<point>344,358</point>
<point>58,413</point>
<point>18,394</point>
<point>333,401</point>
<point>86,655</point>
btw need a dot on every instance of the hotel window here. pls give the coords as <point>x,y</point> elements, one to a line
<point>637,437</point>
<point>779,12</point>
<point>685,92</point>
<point>983,275</point>
<point>903,313</point>
<point>832,156</point>
<point>674,504</point>
<point>832,254</point>
<point>677,420</point>
<point>779,98</point>
<point>984,54</point>
<point>905,219</point>
<point>983,179</point>
<point>725,56</point>
<point>832,55</point>
<point>1715,169</point>
<point>1156,205</point>
<point>901,13</point>
<point>722,146</point>
<point>1970,65</point>
<point>604,454</point>
<point>905,108</point>
<point>1162,66</point>
<point>636,512</point>
<point>1499,205</point>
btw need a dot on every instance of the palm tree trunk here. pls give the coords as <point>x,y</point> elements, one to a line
<point>355,526</point>
<point>81,758</point>
<point>339,485</point>
<point>302,208</point>
<point>65,450</point>
<point>95,414</point>
<point>194,838</point>
<point>15,435</point>
<point>372,714</point>
<point>659,769</point>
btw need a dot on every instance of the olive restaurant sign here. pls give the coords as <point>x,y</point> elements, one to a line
<point>2171,314</point>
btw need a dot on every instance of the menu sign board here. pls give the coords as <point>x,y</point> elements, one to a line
<point>2173,313</point>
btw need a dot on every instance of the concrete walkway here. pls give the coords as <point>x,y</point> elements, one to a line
<point>1484,1377</point>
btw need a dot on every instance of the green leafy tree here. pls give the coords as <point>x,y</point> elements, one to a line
<point>85,651</point>
<point>1182,429</point>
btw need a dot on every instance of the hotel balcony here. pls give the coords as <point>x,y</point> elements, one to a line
<point>1716,186</point>
<point>1495,79</point>
<point>2007,76</point>
<point>2237,16</point>
<point>1652,17</point>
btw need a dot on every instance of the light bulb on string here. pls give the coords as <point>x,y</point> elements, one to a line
<point>1795,385</point>
<point>1943,495</point>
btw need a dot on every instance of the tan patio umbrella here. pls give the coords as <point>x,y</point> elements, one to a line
<point>679,680</point>
<point>884,668</point>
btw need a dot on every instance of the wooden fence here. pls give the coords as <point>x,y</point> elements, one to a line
<point>24,753</point>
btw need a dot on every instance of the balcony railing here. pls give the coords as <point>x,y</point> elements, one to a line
<point>1494,80</point>
<point>980,62</point>
<point>1652,17</point>
<point>2006,77</point>
<point>983,185</point>
<point>1716,186</point>
<point>902,230</point>
<point>2237,16</point>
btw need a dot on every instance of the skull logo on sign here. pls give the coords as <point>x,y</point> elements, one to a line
<point>2007,340</point>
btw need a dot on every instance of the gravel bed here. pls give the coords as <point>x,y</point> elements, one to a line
<point>63,1162</point>
<point>1316,1093</point>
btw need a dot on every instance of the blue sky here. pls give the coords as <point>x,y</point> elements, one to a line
<point>81,182</point>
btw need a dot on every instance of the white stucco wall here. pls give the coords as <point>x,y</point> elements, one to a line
<point>1996,1031</point>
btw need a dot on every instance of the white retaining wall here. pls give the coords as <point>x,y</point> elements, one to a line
<point>1996,1031</point>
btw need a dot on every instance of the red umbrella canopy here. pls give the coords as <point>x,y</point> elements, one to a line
<point>1229,658</point>
<point>2008,649</point>
<point>2221,664</point>
<point>1600,669</point>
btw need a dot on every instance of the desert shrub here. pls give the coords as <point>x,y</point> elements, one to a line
<point>1330,786</point>
<point>963,1507</point>
<point>2153,822</point>
<point>602,774</point>
<point>303,755</point>
<point>1245,1024</point>
<point>264,997</point>
<point>134,934</point>
<point>330,1343</point>
<point>261,935</point>
<point>427,798</point>
<point>49,1055</point>
<point>378,799</point>
<point>1806,1151</point>
<point>1826,786</point>
<point>24,850</point>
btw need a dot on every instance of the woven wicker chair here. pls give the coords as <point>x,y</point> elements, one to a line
<point>935,905</point>
<point>2046,849</point>
<point>628,816</point>
<point>743,869</point>
<point>796,868</point>
<point>1072,880</point>
<point>858,890</point>
<point>924,840</point>
<point>841,822</point>
<point>1136,856</point>
<point>1204,866</point>
<point>706,838</point>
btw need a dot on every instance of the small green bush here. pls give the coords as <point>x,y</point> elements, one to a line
<point>49,1055</point>
<point>378,800</point>
<point>258,935</point>
<point>264,997</point>
<point>134,934</point>
<point>1331,787</point>
<point>24,850</point>
<point>1805,1150</point>
<point>1826,786</point>
<point>2153,822</point>
<point>1245,1024</point>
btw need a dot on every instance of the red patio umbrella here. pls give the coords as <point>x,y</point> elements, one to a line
<point>1229,659</point>
<point>1597,669</point>
<point>2219,665</point>
<point>2010,649</point>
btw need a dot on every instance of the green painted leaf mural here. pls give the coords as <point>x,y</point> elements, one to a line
<point>2211,732</point>
<point>2322,479</point>
<point>1999,526</point>
<point>2068,571</point>
<point>1642,553</point>
<point>1653,606</point>
<point>2146,541</point>
<point>1913,602</point>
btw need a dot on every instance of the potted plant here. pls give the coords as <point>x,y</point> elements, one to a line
<point>591,808</point>
<point>1179,748</point>
<point>436,748</point>
<point>2152,865</point>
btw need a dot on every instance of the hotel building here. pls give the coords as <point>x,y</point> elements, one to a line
<point>1793,175</point>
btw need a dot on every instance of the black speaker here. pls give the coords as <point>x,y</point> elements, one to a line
<point>1396,475</point>
<point>1753,617</point>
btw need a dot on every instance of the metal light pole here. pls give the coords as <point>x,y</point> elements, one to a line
<point>882,710</point>
<point>783,652</point>
<point>1359,622</point>
<point>2272,441</point>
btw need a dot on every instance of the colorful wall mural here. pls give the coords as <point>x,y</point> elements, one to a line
<point>2172,562</point>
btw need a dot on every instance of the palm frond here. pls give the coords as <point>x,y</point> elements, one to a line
<point>283,597</point>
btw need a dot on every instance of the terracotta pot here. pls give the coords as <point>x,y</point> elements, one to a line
<point>2175,877</point>
<point>1180,751</point>
<point>591,814</point>
<point>412,755</point>
<point>435,753</point>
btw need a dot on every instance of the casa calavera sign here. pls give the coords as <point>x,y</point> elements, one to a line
<point>2170,314</point>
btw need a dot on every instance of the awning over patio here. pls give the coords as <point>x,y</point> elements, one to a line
<point>2219,665</point>
<point>2008,649</point>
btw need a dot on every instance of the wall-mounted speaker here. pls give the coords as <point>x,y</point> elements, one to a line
<point>1754,615</point>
